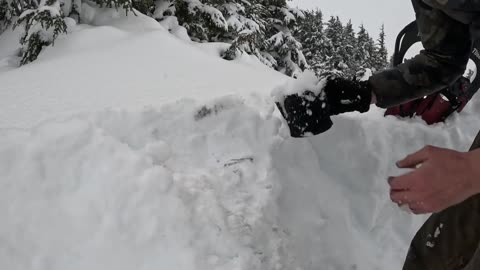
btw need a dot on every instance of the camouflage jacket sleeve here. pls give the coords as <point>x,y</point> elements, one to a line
<point>447,44</point>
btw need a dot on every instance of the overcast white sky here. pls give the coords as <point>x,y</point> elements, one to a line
<point>372,13</point>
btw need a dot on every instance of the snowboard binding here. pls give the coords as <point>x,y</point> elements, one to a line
<point>436,107</point>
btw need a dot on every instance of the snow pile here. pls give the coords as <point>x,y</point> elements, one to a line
<point>216,186</point>
<point>307,81</point>
<point>190,188</point>
<point>211,182</point>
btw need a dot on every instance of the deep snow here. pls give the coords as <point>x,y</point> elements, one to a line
<point>118,150</point>
<point>125,62</point>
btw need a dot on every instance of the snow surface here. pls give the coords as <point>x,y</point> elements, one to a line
<point>129,149</point>
<point>124,62</point>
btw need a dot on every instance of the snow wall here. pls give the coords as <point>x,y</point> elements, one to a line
<point>208,186</point>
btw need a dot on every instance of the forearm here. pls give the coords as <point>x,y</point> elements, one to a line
<point>447,44</point>
<point>425,74</point>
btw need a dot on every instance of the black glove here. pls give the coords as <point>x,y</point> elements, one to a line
<point>308,114</point>
<point>347,95</point>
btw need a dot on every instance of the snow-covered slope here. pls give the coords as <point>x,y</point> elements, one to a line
<point>163,165</point>
<point>128,62</point>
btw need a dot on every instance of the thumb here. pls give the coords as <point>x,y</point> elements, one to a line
<point>417,158</point>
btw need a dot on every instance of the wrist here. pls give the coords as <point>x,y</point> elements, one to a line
<point>345,95</point>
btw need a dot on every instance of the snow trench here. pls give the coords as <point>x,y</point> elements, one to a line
<point>207,186</point>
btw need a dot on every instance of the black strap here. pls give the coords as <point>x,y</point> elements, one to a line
<point>405,39</point>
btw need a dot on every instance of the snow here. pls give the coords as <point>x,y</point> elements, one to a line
<point>162,7</point>
<point>149,67</point>
<point>289,17</point>
<point>277,39</point>
<point>171,24</point>
<point>125,147</point>
<point>54,10</point>
<point>307,81</point>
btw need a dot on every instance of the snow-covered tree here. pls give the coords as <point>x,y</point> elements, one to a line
<point>371,50</point>
<point>203,21</point>
<point>146,7</point>
<point>366,49</point>
<point>247,26</point>
<point>283,38</point>
<point>269,35</point>
<point>164,9</point>
<point>335,48</point>
<point>280,42</point>
<point>7,12</point>
<point>42,24</point>
<point>309,32</point>
<point>350,49</point>
<point>381,55</point>
<point>316,47</point>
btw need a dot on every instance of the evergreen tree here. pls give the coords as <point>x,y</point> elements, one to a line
<point>280,43</point>
<point>44,20</point>
<point>335,50</point>
<point>241,16</point>
<point>7,12</point>
<point>42,25</point>
<point>381,54</point>
<point>310,33</point>
<point>350,49</point>
<point>247,26</point>
<point>272,41</point>
<point>365,49</point>
<point>371,50</point>
<point>203,22</point>
<point>146,7</point>
<point>283,38</point>
<point>125,4</point>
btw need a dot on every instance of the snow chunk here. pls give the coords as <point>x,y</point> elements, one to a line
<point>307,81</point>
<point>159,151</point>
<point>171,24</point>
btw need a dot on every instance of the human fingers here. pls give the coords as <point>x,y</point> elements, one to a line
<point>403,182</point>
<point>401,197</point>
<point>417,158</point>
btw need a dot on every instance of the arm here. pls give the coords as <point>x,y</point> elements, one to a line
<point>447,44</point>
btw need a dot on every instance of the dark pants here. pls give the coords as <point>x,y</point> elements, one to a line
<point>449,240</point>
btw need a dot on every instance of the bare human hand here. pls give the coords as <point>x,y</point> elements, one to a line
<point>440,178</point>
